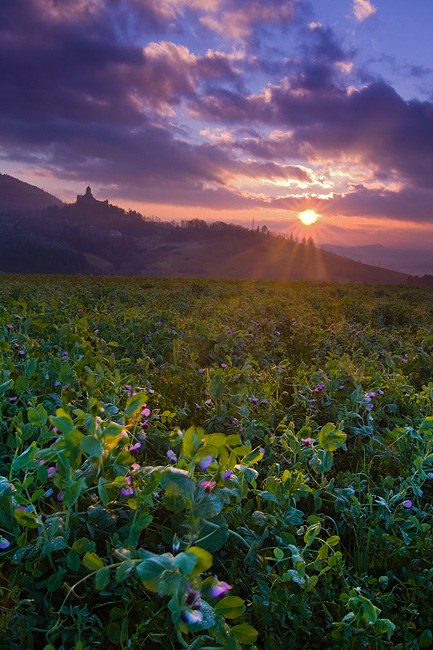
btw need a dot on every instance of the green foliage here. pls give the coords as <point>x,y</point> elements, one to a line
<point>215,465</point>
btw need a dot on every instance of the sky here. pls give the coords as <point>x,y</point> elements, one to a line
<point>244,111</point>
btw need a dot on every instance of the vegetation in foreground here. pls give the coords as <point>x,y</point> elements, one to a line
<point>215,465</point>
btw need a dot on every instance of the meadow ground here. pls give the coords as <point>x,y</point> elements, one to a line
<point>215,464</point>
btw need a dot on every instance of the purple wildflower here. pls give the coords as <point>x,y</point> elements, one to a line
<point>4,543</point>
<point>191,597</point>
<point>135,449</point>
<point>205,462</point>
<point>127,491</point>
<point>408,503</point>
<point>227,474</point>
<point>220,589</point>
<point>191,617</point>
<point>370,406</point>
<point>52,471</point>
<point>171,455</point>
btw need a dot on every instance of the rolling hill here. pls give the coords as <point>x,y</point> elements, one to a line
<point>95,237</point>
<point>15,195</point>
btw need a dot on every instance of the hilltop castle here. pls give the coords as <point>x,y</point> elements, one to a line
<point>88,199</point>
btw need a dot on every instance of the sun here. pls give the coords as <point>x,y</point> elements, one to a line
<point>308,217</point>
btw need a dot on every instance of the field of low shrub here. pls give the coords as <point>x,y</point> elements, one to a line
<point>215,465</point>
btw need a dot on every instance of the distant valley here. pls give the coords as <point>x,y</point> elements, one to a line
<point>412,262</point>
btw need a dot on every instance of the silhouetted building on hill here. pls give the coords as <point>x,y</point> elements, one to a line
<point>88,199</point>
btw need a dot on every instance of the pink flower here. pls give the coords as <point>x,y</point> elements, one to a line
<point>208,485</point>
<point>145,412</point>
<point>307,441</point>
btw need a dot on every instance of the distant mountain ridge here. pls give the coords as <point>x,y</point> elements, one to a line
<point>412,262</point>
<point>17,195</point>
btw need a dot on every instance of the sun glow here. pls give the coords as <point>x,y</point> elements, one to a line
<point>308,217</point>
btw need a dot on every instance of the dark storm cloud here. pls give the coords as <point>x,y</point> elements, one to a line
<point>82,98</point>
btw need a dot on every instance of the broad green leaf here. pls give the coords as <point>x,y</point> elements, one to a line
<point>22,384</point>
<point>27,519</point>
<point>385,626</point>
<point>185,562</point>
<point>62,421</point>
<point>91,446</point>
<point>253,457</point>
<point>152,567</point>
<point>83,545</point>
<point>310,583</point>
<point>38,416</point>
<point>310,533</point>
<point>333,540</point>
<point>93,562</point>
<point>73,560</point>
<point>27,458</point>
<point>425,639</point>
<point>204,559</point>
<point>56,544</point>
<point>191,441</point>
<point>230,607</point>
<point>102,578</point>
<point>134,404</point>
<point>279,554</point>
<point>124,569</point>
<point>6,386</point>
<point>177,481</point>
<point>244,633</point>
<point>330,437</point>
<point>73,492</point>
<point>215,440</point>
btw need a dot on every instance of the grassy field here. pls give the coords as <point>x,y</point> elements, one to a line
<point>215,465</point>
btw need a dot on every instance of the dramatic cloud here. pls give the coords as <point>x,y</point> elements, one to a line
<point>224,104</point>
<point>363,9</point>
